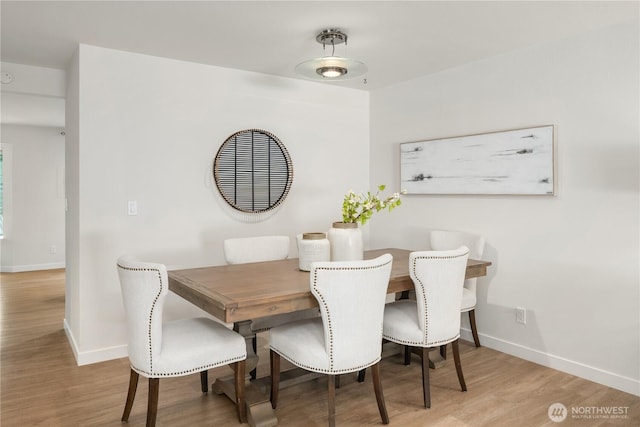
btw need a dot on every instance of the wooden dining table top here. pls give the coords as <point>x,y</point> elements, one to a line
<point>240,292</point>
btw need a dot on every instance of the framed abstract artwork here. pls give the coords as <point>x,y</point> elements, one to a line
<point>517,162</point>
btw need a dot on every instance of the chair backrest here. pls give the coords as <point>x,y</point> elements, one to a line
<point>256,249</point>
<point>351,296</point>
<point>442,240</point>
<point>144,289</point>
<point>438,277</point>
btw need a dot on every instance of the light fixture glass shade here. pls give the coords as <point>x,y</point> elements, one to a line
<point>331,68</point>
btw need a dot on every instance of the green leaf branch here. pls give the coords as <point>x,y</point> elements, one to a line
<point>359,208</point>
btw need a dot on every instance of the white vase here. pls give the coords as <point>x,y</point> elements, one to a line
<point>346,242</point>
<point>312,247</point>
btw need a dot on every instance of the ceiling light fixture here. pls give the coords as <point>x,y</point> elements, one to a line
<point>331,67</point>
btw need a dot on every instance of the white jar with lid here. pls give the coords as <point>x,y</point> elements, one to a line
<point>312,247</point>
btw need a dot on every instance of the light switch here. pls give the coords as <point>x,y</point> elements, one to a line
<point>132,207</point>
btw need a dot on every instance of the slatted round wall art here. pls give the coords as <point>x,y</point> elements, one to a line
<point>253,171</point>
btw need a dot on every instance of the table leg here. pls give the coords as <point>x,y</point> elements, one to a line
<point>392,349</point>
<point>244,329</point>
<point>435,360</point>
<point>259,411</point>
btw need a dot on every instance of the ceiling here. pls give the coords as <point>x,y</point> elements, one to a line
<point>398,40</point>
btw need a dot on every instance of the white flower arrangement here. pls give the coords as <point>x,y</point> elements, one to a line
<point>358,208</point>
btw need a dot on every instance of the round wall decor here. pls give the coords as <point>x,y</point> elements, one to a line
<point>253,171</point>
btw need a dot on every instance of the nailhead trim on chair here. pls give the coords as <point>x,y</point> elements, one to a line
<point>329,326</point>
<point>189,371</point>
<point>421,344</point>
<point>170,374</point>
<point>327,371</point>
<point>153,306</point>
<point>426,320</point>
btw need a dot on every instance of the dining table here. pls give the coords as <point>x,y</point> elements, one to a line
<point>242,293</point>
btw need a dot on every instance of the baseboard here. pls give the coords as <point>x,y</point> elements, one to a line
<point>94,356</point>
<point>609,379</point>
<point>70,338</point>
<point>32,267</point>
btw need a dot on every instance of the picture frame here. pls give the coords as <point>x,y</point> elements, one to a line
<point>510,162</point>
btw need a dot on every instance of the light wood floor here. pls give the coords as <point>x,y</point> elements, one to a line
<point>42,386</point>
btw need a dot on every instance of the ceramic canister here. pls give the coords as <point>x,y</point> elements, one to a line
<point>312,247</point>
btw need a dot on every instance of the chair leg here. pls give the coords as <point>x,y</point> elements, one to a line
<point>456,358</point>
<point>331,381</point>
<point>275,377</point>
<point>204,381</point>
<point>377,387</point>
<point>133,386</point>
<point>152,404</point>
<point>254,343</point>
<point>337,381</point>
<point>407,355</point>
<point>474,330</point>
<point>239,371</point>
<point>426,389</point>
<point>443,351</point>
<point>361,375</point>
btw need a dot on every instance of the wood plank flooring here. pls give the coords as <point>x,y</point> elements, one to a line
<point>42,386</point>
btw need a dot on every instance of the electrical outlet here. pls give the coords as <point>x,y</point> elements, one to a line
<point>132,207</point>
<point>53,249</point>
<point>521,315</point>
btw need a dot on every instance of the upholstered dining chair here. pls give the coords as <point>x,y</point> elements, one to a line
<point>160,349</point>
<point>433,318</point>
<point>243,250</point>
<point>343,339</point>
<point>442,240</point>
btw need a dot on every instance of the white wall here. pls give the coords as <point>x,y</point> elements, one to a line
<point>34,97</point>
<point>147,129</point>
<point>34,81</point>
<point>32,119</point>
<point>34,203</point>
<point>72,219</point>
<point>571,260</point>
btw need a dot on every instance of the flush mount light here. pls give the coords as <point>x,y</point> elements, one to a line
<point>332,71</point>
<point>331,67</point>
